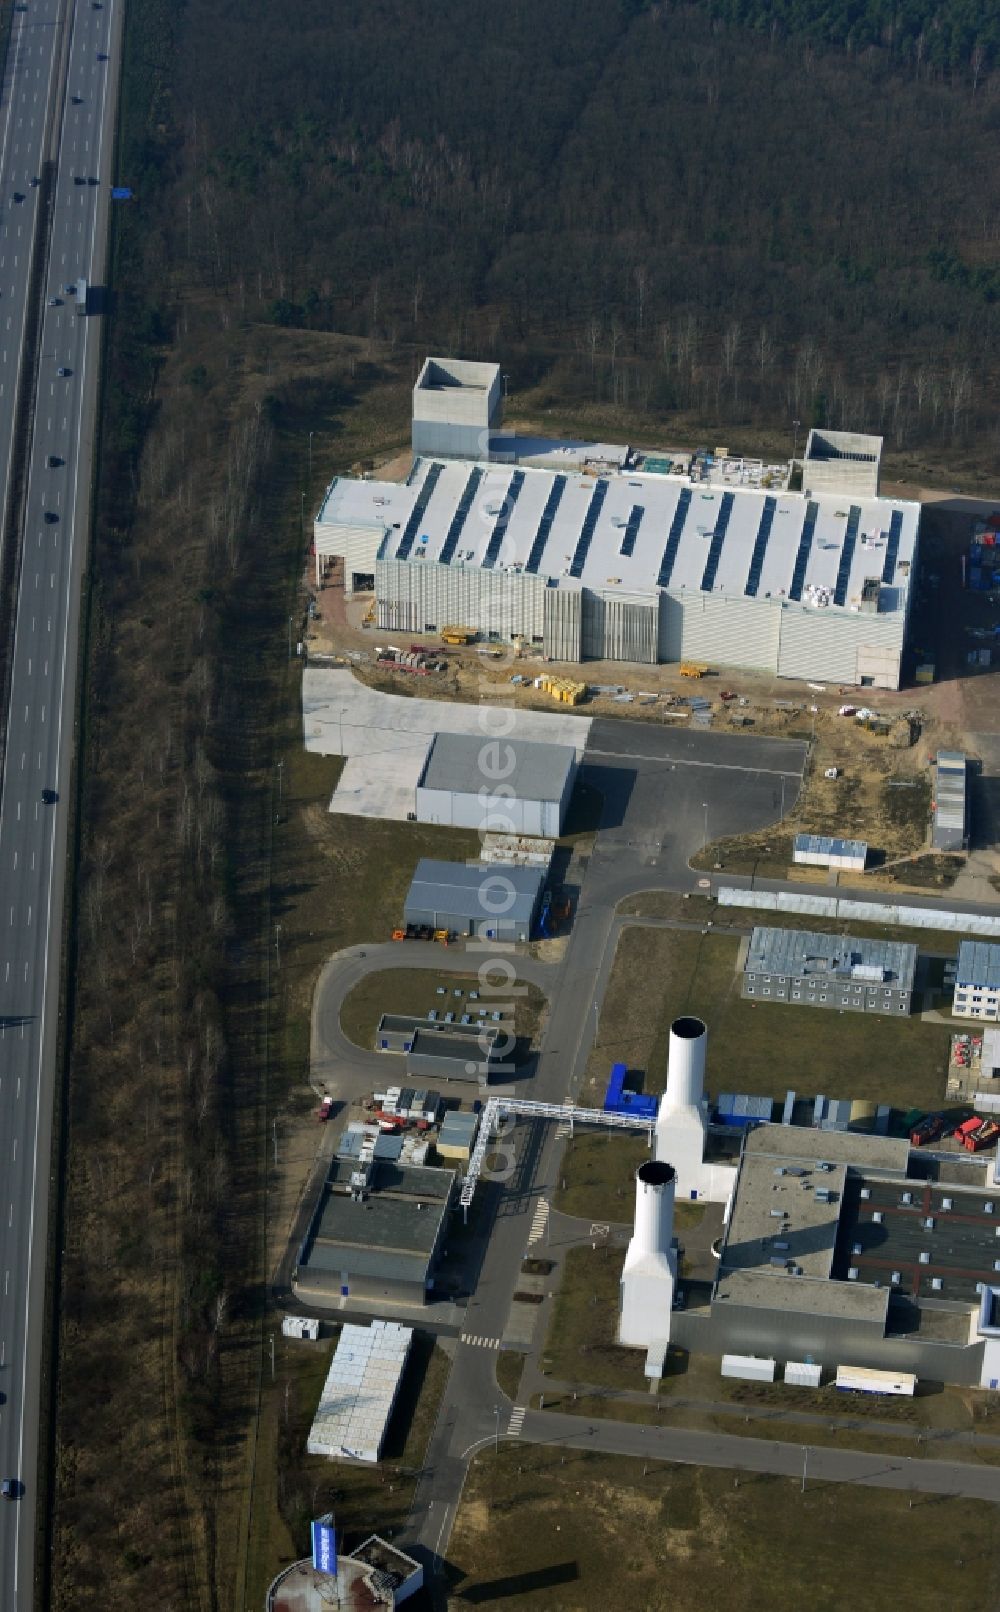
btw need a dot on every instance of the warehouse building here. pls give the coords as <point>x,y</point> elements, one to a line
<point>977,981</point>
<point>438,1053</point>
<point>630,566</point>
<point>832,971</point>
<point>475,898</point>
<point>832,1255</point>
<point>950,806</point>
<point>505,786</point>
<point>376,1234</point>
<point>360,1391</point>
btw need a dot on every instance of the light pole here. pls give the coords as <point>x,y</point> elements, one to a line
<point>311,435</point>
<point>290,621</point>
<point>795,438</point>
<point>782,798</point>
<point>496,1424</point>
<point>805,1464</point>
<point>705,807</point>
<point>302,515</point>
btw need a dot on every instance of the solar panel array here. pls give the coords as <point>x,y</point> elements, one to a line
<point>458,519</point>
<point>635,515</point>
<point>545,524</point>
<point>500,529</point>
<point>847,555</point>
<point>718,538</point>
<point>892,547</point>
<point>674,538</point>
<point>805,548</point>
<point>588,528</point>
<point>418,511</point>
<point>760,547</point>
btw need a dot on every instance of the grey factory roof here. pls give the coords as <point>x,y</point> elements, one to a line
<point>385,1234</point>
<point>798,1143</point>
<point>473,889</point>
<point>779,1215</point>
<point>474,1047</point>
<point>466,763</point>
<point>978,964</point>
<point>927,1233</point>
<point>777,1290</point>
<point>807,953</point>
<point>628,534</point>
<point>950,791</point>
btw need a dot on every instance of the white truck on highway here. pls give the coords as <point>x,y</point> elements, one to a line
<point>81,296</point>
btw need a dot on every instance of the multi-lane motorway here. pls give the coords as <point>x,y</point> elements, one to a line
<point>56,139</point>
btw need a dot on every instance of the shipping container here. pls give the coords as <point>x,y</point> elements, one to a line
<point>803,1374</point>
<point>750,1367</point>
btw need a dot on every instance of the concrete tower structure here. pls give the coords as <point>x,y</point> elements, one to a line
<point>680,1121</point>
<point>681,1125</point>
<point>649,1275</point>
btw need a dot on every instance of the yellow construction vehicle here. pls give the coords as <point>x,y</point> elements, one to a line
<point>458,635</point>
<point>693,668</point>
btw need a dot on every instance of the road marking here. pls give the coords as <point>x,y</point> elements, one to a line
<point>474,1341</point>
<point>539,1221</point>
<point>516,1423</point>
<point>687,761</point>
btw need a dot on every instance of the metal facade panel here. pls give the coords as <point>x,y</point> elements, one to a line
<point>446,439</point>
<point>620,629</point>
<point>562,615</point>
<point>820,646</point>
<point>423,596</point>
<point>732,632</point>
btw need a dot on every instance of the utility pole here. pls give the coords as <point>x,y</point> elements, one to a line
<point>291,619</point>
<point>281,769</point>
<point>277,945</point>
<point>705,805</point>
<point>274,1138</point>
<point>805,1463</point>
<point>272,1356</point>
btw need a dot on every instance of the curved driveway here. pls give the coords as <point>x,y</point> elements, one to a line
<point>333,1056</point>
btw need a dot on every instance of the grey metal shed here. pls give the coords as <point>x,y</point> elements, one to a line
<point>495,901</point>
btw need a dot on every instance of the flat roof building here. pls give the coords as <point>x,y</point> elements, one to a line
<point>475,898</point>
<point>508,786</point>
<point>376,1234</point>
<point>814,969</point>
<point>833,1254</point>
<point>627,565</point>
<point>977,981</point>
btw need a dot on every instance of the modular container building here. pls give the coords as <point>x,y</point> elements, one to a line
<point>742,1109</point>
<point>950,807</point>
<point>511,786</point>
<point>977,984</point>
<point>816,969</point>
<point>819,850</point>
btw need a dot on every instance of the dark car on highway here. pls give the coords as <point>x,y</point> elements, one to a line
<point>10,1488</point>
<point>49,797</point>
<point>50,517</point>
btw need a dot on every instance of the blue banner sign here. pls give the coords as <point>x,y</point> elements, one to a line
<point>324,1543</point>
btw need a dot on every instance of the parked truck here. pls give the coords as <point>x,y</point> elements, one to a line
<point>81,296</point>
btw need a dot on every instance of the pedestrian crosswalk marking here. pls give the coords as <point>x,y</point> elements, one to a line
<point>479,1342</point>
<point>538,1221</point>
<point>517,1416</point>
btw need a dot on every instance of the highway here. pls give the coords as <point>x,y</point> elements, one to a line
<point>58,109</point>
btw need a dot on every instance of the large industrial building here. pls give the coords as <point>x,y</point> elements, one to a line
<point>504,786</point>
<point>630,565</point>
<point>470,898</point>
<point>815,969</point>
<point>830,1254</point>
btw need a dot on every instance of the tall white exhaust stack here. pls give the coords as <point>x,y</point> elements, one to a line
<point>649,1275</point>
<point>680,1119</point>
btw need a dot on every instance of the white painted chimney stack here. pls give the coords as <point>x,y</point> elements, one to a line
<point>686,1064</point>
<point>649,1275</point>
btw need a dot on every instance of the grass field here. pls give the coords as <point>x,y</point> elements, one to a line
<point>596,1178</point>
<point>414,990</point>
<point>660,973</point>
<point>543,1530</point>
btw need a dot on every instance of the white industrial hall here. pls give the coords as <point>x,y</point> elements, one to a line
<point>635,566</point>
